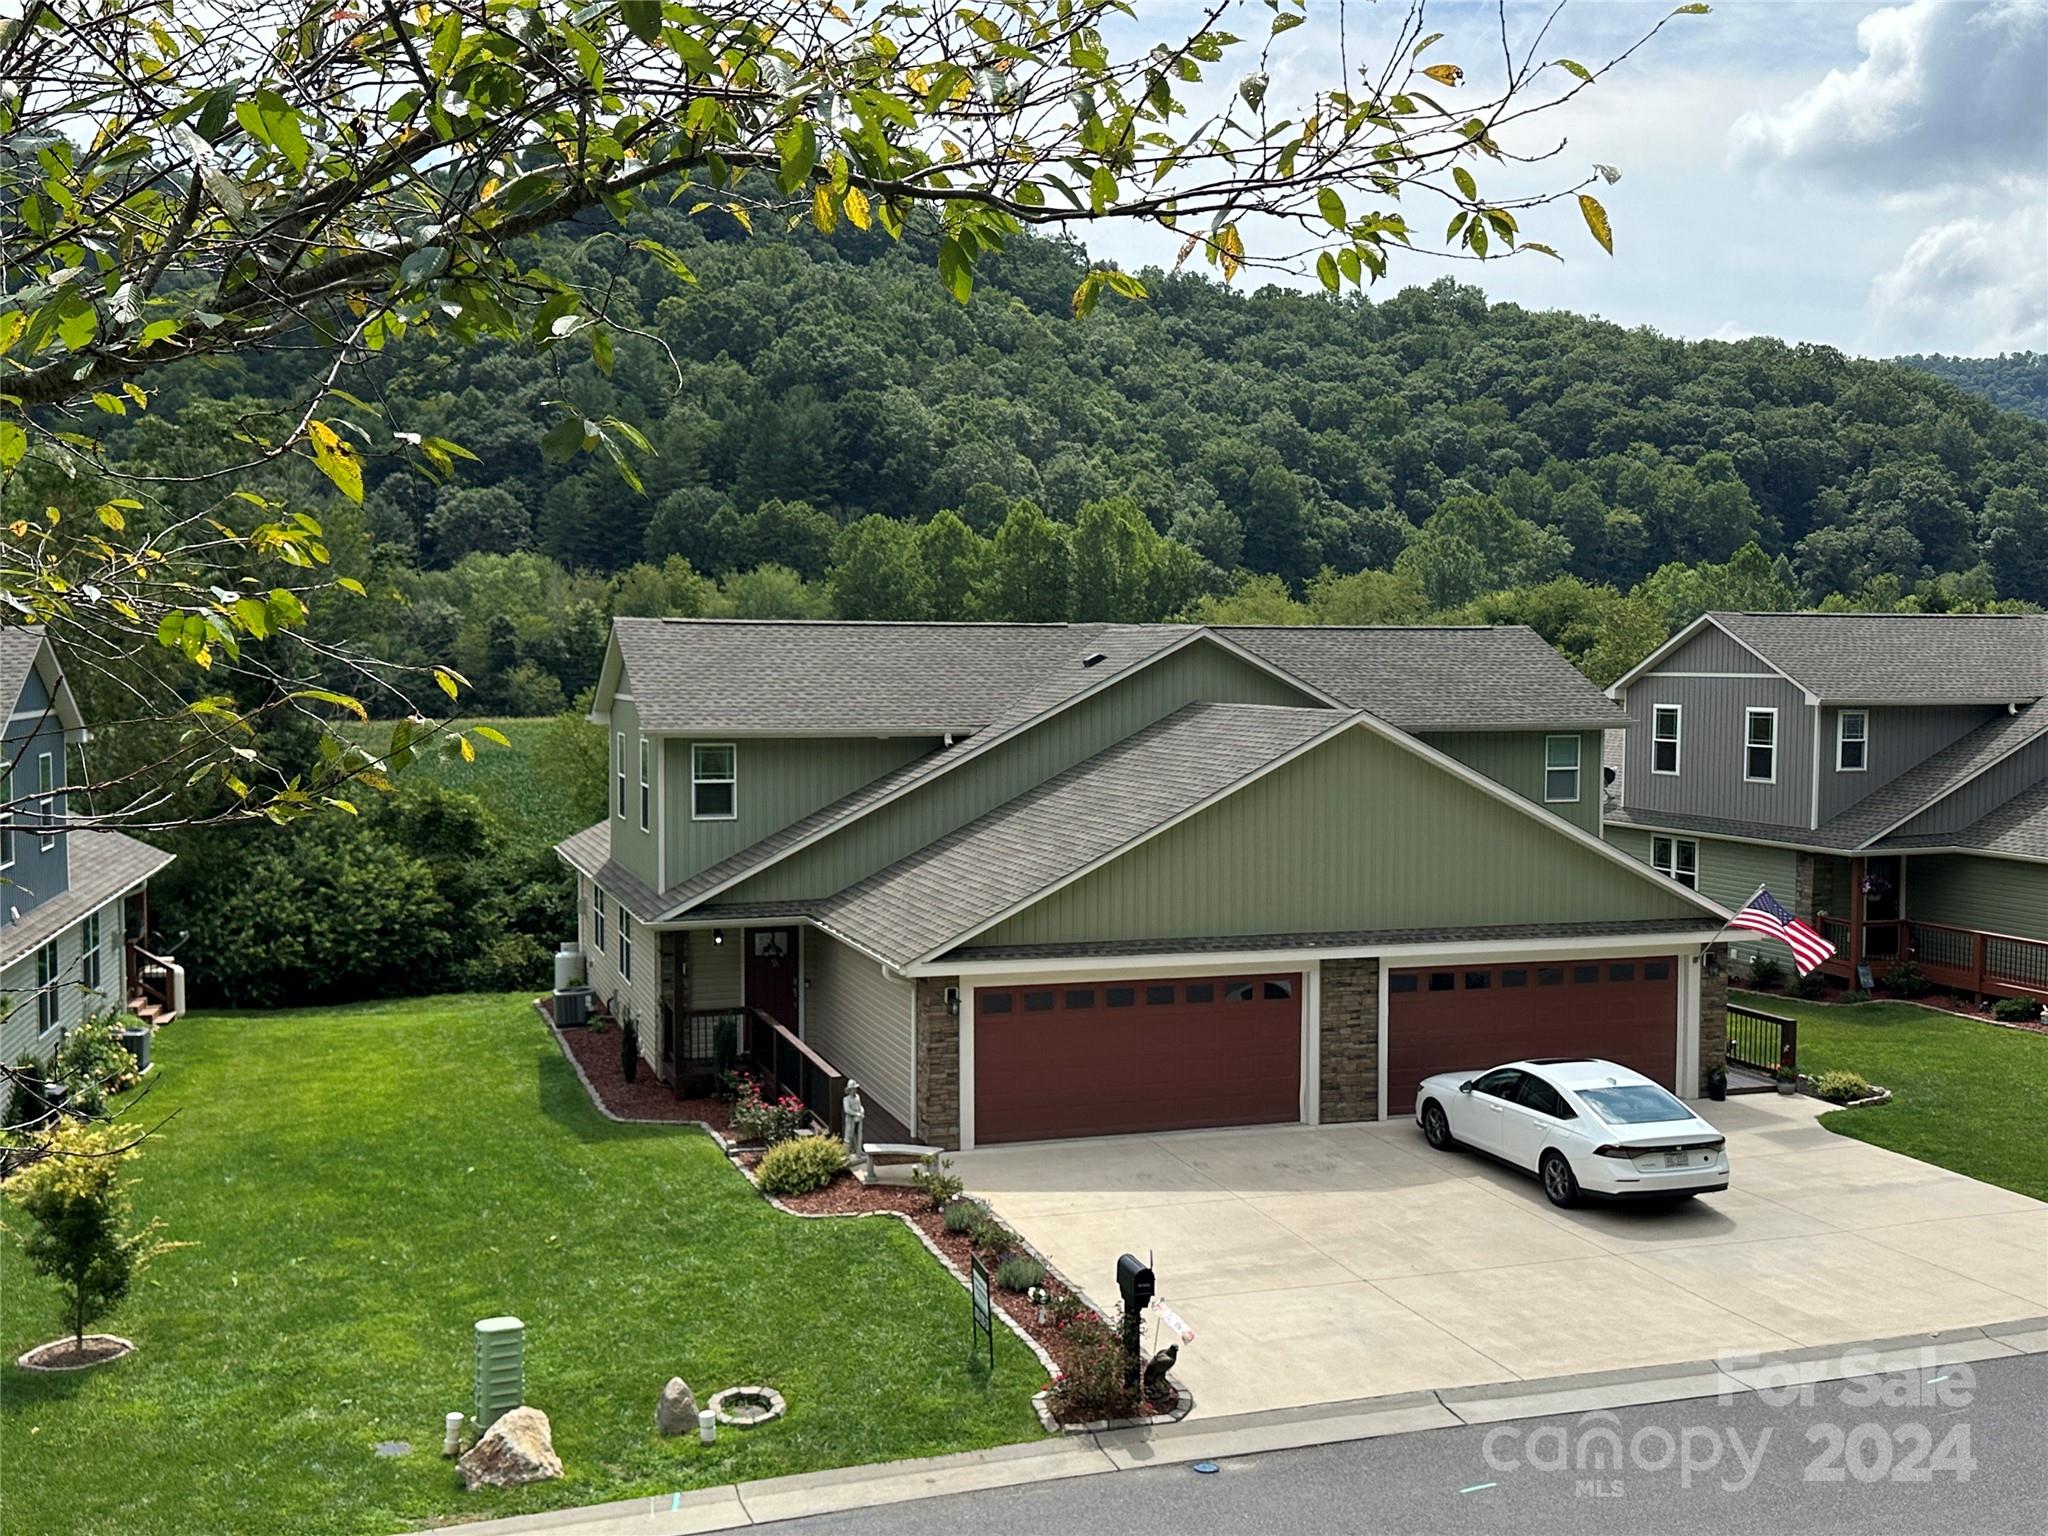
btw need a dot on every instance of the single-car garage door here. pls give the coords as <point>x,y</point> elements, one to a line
<point>1106,1058</point>
<point>1453,1018</point>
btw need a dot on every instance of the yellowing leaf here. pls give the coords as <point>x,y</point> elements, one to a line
<point>468,751</point>
<point>447,681</point>
<point>857,208</point>
<point>1230,249</point>
<point>337,460</point>
<point>823,214</point>
<point>1445,74</point>
<point>1596,221</point>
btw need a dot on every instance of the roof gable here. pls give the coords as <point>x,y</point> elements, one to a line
<point>25,649</point>
<point>1902,658</point>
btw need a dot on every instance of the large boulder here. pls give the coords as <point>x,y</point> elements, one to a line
<point>519,1448</point>
<point>676,1413</point>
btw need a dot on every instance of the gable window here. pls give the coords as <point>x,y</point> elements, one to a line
<point>597,917</point>
<point>1760,746</point>
<point>1665,721</point>
<point>625,947</point>
<point>1852,741</point>
<point>46,988</point>
<point>619,773</point>
<point>714,782</point>
<point>646,787</point>
<point>89,953</point>
<point>1678,857</point>
<point>1561,769</point>
<point>46,783</point>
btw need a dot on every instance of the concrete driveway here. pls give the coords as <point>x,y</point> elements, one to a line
<point>1319,1265</point>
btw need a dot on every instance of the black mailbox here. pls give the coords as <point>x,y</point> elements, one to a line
<point>1134,1280</point>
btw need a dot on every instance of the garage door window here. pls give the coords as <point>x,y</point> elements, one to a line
<point>1585,973</point>
<point>1404,983</point>
<point>1443,981</point>
<point>1550,976</point>
<point>1201,992</point>
<point>995,1002</point>
<point>1656,970</point>
<point>1278,991</point>
<point>1038,1002</point>
<point>1621,973</point>
<point>1121,997</point>
<point>1514,978</point>
<point>1478,981</point>
<point>1237,991</point>
<point>1080,999</point>
<point>1156,997</point>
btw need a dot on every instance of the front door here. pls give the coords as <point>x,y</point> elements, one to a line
<point>772,974</point>
<point>1881,880</point>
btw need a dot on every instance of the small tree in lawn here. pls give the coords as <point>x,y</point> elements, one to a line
<point>78,1220</point>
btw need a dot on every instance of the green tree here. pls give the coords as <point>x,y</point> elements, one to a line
<point>1257,600</point>
<point>876,572</point>
<point>1030,570</point>
<point>1749,582</point>
<point>1367,597</point>
<point>770,592</point>
<point>954,557</point>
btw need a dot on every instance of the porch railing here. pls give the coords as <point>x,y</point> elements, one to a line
<point>1763,1042</point>
<point>774,1053</point>
<point>1990,964</point>
<point>150,980</point>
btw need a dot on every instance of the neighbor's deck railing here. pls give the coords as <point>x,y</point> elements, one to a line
<point>1763,1042</point>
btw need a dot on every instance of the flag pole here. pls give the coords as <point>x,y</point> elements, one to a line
<point>1762,886</point>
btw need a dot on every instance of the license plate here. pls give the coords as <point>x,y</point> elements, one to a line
<point>1675,1159</point>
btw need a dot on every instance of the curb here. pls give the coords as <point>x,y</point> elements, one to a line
<point>737,1506</point>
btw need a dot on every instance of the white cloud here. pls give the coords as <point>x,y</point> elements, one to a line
<point>1945,88</point>
<point>1981,284</point>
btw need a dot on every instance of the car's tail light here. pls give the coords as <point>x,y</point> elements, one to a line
<point>1612,1151</point>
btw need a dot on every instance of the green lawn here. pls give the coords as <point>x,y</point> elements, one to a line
<point>364,1183</point>
<point>1968,1095</point>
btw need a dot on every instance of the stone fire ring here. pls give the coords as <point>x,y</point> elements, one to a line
<point>744,1407</point>
<point>103,1348</point>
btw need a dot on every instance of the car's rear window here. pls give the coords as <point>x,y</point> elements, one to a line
<point>1634,1104</point>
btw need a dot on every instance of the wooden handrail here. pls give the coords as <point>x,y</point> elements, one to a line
<point>2007,938</point>
<point>1757,1013</point>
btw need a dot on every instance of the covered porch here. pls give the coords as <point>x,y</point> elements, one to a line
<point>1863,906</point>
<point>734,998</point>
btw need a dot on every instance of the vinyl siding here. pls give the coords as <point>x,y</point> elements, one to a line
<point>642,995</point>
<point>1515,760</point>
<point>860,1021</point>
<point>1710,779</point>
<point>1899,739</point>
<point>779,781</point>
<point>1200,671</point>
<point>1357,834</point>
<point>1729,874</point>
<point>1714,650</point>
<point>19,1039</point>
<point>1967,891</point>
<point>1983,794</point>
<point>36,874</point>
<point>717,974</point>
<point>630,846</point>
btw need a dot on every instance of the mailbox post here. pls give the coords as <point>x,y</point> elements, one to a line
<point>1134,1282</point>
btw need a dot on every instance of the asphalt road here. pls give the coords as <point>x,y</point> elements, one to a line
<point>1956,1450</point>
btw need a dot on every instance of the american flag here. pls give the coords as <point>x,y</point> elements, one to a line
<point>1767,915</point>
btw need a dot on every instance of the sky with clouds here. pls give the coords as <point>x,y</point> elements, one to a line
<point>1870,176</point>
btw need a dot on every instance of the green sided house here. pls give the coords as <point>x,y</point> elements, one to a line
<point>1884,773</point>
<point>1034,881</point>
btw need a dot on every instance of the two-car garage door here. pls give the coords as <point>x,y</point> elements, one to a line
<point>1456,1018</point>
<point>1087,1058</point>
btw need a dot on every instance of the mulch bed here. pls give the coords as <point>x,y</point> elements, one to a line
<point>65,1355</point>
<point>646,1097</point>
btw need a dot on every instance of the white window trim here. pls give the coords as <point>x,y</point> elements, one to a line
<point>1677,713</point>
<point>619,774</point>
<point>1842,740</point>
<point>10,815</point>
<point>625,948</point>
<point>646,789</point>
<point>1749,715</point>
<point>89,942</point>
<point>1575,768</point>
<point>597,918</point>
<point>697,778</point>
<point>46,785</point>
<point>1669,869</point>
<point>49,1004</point>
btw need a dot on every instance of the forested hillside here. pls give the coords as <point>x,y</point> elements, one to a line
<point>831,432</point>
<point>2018,381</point>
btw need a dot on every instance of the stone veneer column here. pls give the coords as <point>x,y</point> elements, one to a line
<point>938,1064</point>
<point>1350,1035</point>
<point>1713,1016</point>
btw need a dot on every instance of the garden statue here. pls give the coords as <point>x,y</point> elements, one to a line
<point>1156,1389</point>
<point>853,1117</point>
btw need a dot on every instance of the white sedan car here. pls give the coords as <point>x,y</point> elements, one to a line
<point>1584,1127</point>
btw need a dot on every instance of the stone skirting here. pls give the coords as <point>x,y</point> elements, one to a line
<point>1713,1013</point>
<point>938,1063</point>
<point>1350,1033</point>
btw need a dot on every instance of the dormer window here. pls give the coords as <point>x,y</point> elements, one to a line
<point>1852,741</point>
<point>1760,746</point>
<point>714,782</point>
<point>1665,721</point>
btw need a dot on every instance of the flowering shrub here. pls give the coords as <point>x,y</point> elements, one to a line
<point>757,1119</point>
<point>935,1177</point>
<point>1093,1385</point>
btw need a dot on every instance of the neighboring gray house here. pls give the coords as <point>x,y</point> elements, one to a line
<point>73,903</point>
<point>1887,773</point>
<point>1028,881</point>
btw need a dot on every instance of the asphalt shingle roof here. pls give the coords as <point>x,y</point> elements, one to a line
<point>1359,938</point>
<point>1922,658</point>
<point>589,852</point>
<point>1942,774</point>
<point>698,676</point>
<point>1500,677</point>
<point>103,865</point>
<point>18,646</point>
<point>1073,819</point>
<point>2018,829</point>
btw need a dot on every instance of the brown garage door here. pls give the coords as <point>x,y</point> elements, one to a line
<point>1101,1059</point>
<point>1455,1018</point>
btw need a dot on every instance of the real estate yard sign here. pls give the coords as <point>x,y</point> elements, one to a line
<point>984,1318</point>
